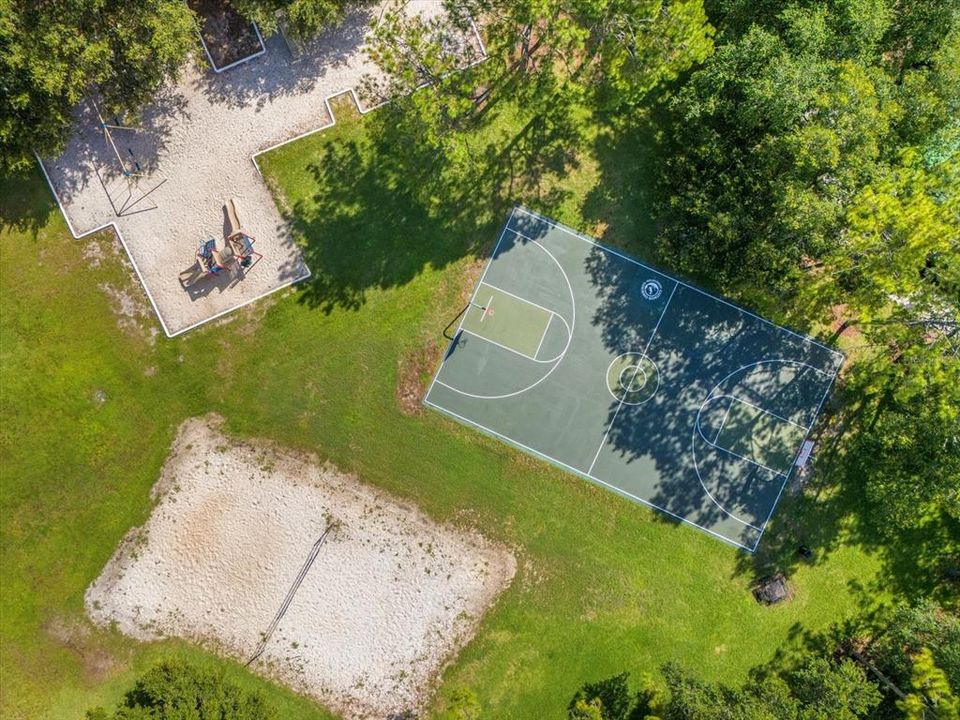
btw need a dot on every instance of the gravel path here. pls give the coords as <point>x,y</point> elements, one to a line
<point>389,600</point>
<point>194,147</point>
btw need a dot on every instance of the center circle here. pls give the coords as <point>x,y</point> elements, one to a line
<point>632,378</point>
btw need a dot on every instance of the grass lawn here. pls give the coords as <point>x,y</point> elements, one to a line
<point>90,402</point>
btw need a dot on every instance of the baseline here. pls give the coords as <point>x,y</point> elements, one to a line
<point>537,216</point>
<point>588,476</point>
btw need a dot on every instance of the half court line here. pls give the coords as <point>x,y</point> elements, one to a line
<point>643,354</point>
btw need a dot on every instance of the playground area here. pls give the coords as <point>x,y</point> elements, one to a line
<point>637,381</point>
<point>163,180</point>
<point>305,574</point>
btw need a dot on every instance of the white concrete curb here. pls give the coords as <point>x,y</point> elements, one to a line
<point>241,61</point>
<point>253,159</point>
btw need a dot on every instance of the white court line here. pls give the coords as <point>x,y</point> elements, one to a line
<point>486,309</point>
<point>520,297</point>
<point>757,407</point>
<point>543,337</point>
<point>456,335</point>
<point>608,249</point>
<point>724,421</point>
<point>505,347</point>
<point>731,452</point>
<point>557,359</point>
<point>643,354</point>
<point>588,476</point>
<point>786,479</point>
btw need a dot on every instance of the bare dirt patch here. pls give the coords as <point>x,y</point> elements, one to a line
<point>416,366</point>
<point>134,316</point>
<point>388,601</point>
<point>77,636</point>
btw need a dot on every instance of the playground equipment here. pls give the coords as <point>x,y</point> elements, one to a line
<point>136,183</point>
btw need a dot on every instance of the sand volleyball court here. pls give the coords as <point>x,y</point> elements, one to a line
<point>349,595</point>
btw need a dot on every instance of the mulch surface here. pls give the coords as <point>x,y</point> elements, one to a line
<point>228,35</point>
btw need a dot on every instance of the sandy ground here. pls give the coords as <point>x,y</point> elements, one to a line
<point>389,600</point>
<point>194,146</point>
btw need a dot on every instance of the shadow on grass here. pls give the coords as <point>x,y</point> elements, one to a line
<point>24,212</point>
<point>834,511</point>
<point>388,207</point>
<point>621,203</point>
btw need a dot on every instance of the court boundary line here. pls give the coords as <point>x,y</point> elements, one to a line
<point>643,354</point>
<point>585,475</point>
<point>559,358</point>
<point>607,248</point>
<point>835,354</point>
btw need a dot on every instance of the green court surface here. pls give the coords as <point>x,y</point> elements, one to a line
<point>511,322</point>
<point>680,400</point>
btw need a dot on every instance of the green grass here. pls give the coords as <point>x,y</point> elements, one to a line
<point>603,585</point>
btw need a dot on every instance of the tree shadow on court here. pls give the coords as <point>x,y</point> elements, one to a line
<point>698,348</point>
<point>831,511</point>
<point>387,208</point>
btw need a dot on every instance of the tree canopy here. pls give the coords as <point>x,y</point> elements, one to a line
<point>176,690</point>
<point>53,54</point>
<point>774,141</point>
<point>303,17</point>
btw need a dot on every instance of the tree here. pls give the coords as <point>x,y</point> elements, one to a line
<point>304,18</point>
<point>610,699</point>
<point>838,691</point>
<point>549,63</point>
<point>774,139</point>
<point>53,54</point>
<point>617,49</point>
<point>932,697</point>
<point>819,690</point>
<point>175,690</point>
<point>895,274</point>
<point>912,629</point>
<point>908,455</point>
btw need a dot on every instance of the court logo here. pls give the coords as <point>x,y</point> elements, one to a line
<point>651,289</point>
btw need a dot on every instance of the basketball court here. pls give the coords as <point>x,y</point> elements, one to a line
<point>637,381</point>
